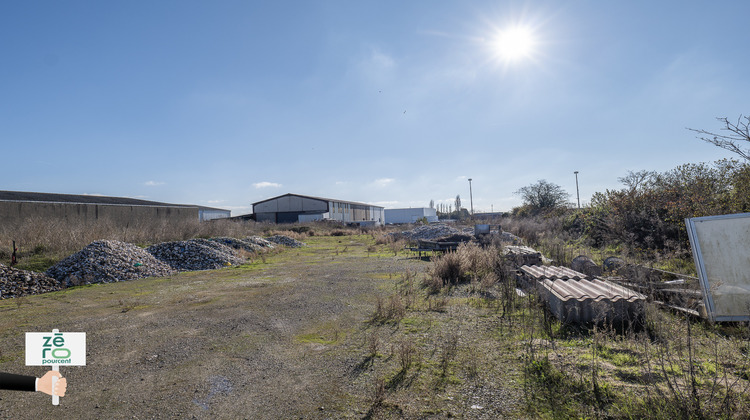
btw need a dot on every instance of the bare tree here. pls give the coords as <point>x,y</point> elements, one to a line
<point>637,180</point>
<point>458,203</point>
<point>432,204</point>
<point>737,133</point>
<point>543,195</point>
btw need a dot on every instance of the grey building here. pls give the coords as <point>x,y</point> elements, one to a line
<point>17,206</point>
<point>410,215</point>
<point>290,208</point>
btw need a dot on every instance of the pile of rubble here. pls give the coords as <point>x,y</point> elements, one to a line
<point>430,232</point>
<point>17,283</point>
<point>195,254</point>
<point>237,243</point>
<point>106,262</point>
<point>286,241</point>
<point>260,242</point>
<point>252,243</point>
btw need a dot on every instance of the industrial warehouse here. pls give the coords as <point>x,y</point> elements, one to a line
<point>18,206</point>
<point>291,208</point>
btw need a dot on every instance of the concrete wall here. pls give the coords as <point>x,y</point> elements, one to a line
<point>14,212</point>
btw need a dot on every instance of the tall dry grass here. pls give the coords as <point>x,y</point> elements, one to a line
<point>470,262</point>
<point>58,237</point>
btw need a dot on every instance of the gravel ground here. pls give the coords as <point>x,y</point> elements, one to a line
<point>285,339</point>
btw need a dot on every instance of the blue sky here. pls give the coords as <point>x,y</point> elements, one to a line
<point>395,103</point>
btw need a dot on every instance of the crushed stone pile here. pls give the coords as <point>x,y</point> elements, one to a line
<point>249,244</point>
<point>257,240</point>
<point>430,232</point>
<point>17,283</point>
<point>286,241</point>
<point>107,261</point>
<point>195,254</point>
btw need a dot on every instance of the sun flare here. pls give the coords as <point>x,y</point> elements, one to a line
<point>514,43</point>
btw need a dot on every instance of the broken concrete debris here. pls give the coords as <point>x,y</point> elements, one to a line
<point>17,283</point>
<point>106,262</point>
<point>522,255</point>
<point>286,241</point>
<point>195,254</point>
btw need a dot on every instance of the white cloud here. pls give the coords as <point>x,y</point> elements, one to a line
<point>381,60</point>
<point>153,183</point>
<point>387,204</point>
<point>376,66</point>
<point>266,184</point>
<point>215,201</point>
<point>383,182</point>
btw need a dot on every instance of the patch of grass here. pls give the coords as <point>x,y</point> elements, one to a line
<point>37,262</point>
<point>327,334</point>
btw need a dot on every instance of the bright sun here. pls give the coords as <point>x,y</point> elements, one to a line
<point>514,43</point>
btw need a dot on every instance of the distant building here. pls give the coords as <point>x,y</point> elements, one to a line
<point>210,213</point>
<point>18,206</point>
<point>410,215</point>
<point>291,208</point>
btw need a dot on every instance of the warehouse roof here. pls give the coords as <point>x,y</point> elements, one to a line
<point>85,199</point>
<point>317,198</point>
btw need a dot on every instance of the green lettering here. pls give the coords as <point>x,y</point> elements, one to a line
<point>54,353</point>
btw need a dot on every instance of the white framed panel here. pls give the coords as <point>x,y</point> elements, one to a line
<point>721,250</point>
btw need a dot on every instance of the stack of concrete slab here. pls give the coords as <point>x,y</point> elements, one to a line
<point>522,255</point>
<point>593,301</point>
<point>539,272</point>
<point>575,298</point>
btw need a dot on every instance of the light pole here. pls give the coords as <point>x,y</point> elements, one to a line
<point>578,195</point>
<point>471,198</point>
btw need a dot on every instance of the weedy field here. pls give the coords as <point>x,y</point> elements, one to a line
<point>351,328</point>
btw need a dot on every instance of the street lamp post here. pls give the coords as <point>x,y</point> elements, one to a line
<point>578,195</point>
<point>471,199</point>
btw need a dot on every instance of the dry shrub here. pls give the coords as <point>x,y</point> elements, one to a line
<point>391,309</point>
<point>437,303</point>
<point>469,262</point>
<point>447,268</point>
<point>289,233</point>
<point>534,229</point>
<point>373,342</point>
<point>407,354</point>
<point>384,238</point>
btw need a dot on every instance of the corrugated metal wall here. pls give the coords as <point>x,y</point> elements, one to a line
<point>285,208</point>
